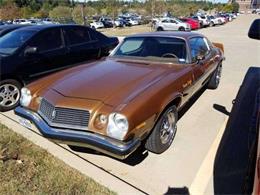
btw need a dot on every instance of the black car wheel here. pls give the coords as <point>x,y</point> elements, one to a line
<point>159,29</point>
<point>181,29</point>
<point>215,78</point>
<point>10,92</point>
<point>164,131</point>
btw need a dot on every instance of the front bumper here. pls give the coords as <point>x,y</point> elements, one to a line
<point>111,147</point>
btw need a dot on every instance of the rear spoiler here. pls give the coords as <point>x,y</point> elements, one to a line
<point>219,45</point>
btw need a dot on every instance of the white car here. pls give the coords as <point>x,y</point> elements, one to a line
<point>221,20</point>
<point>172,24</point>
<point>96,25</point>
<point>132,21</point>
<point>22,21</point>
<point>213,21</point>
<point>204,22</point>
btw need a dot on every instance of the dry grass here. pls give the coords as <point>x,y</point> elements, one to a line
<point>126,30</point>
<point>27,169</point>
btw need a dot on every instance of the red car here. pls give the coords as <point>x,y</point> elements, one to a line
<point>194,24</point>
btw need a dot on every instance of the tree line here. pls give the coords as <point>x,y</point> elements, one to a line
<point>11,9</point>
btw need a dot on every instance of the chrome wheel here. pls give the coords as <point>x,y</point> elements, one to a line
<point>168,127</point>
<point>9,95</point>
<point>218,74</point>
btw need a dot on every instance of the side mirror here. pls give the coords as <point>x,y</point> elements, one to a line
<point>30,51</point>
<point>200,57</point>
<point>254,31</point>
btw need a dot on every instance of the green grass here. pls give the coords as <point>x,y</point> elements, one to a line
<point>27,169</point>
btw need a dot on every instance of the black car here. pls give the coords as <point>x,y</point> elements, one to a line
<point>34,51</point>
<point>4,29</point>
<point>106,22</point>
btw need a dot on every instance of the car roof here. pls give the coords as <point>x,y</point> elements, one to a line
<point>177,34</point>
<point>47,26</point>
<point>12,26</point>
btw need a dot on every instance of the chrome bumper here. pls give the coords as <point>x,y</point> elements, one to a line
<point>117,149</point>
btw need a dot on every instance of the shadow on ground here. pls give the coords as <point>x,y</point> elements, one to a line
<point>179,191</point>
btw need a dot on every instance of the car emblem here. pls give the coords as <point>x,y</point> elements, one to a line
<point>53,114</point>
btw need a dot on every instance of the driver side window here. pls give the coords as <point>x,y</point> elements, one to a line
<point>198,47</point>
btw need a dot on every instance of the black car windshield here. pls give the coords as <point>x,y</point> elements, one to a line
<point>10,42</point>
<point>160,49</point>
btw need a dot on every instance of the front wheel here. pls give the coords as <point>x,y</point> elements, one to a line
<point>181,29</point>
<point>10,92</point>
<point>215,78</point>
<point>164,132</point>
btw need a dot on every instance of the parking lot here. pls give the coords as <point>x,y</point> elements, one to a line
<point>189,160</point>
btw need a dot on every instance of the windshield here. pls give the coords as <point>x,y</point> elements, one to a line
<point>153,48</point>
<point>13,40</point>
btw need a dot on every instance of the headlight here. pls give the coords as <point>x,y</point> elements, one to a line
<point>26,97</point>
<point>117,126</point>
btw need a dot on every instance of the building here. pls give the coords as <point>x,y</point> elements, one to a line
<point>245,5</point>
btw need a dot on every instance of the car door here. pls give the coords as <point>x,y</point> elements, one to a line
<point>50,52</point>
<point>202,58</point>
<point>80,45</point>
<point>165,24</point>
<point>173,25</point>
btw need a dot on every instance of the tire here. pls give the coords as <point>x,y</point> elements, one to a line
<point>161,138</point>
<point>10,92</point>
<point>215,78</point>
<point>181,29</point>
<point>211,24</point>
<point>159,29</point>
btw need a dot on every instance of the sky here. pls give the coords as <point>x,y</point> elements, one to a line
<point>216,1</point>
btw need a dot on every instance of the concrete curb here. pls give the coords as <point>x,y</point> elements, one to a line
<point>87,168</point>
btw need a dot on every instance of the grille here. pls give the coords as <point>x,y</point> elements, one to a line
<point>63,117</point>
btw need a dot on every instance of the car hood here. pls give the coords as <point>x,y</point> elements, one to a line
<point>110,81</point>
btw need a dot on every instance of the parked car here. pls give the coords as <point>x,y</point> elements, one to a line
<point>119,23</point>
<point>107,22</point>
<point>96,25</point>
<point>132,21</point>
<point>21,21</point>
<point>194,24</point>
<point>4,29</point>
<point>221,19</point>
<point>204,22</point>
<point>134,95</point>
<point>172,24</point>
<point>126,22</point>
<point>213,21</point>
<point>33,51</point>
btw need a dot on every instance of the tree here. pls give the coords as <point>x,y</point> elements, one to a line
<point>9,11</point>
<point>78,15</point>
<point>60,12</point>
<point>228,8</point>
<point>26,12</point>
<point>235,6</point>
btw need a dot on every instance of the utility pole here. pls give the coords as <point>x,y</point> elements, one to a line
<point>83,5</point>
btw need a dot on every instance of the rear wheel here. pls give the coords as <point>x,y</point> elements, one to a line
<point>215,78</point>
<point>159,29</point>
<point>211,24</point>
<point>164,131</point>
<point>10,92</point>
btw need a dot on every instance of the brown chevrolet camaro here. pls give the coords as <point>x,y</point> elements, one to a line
<point>132,96</point>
